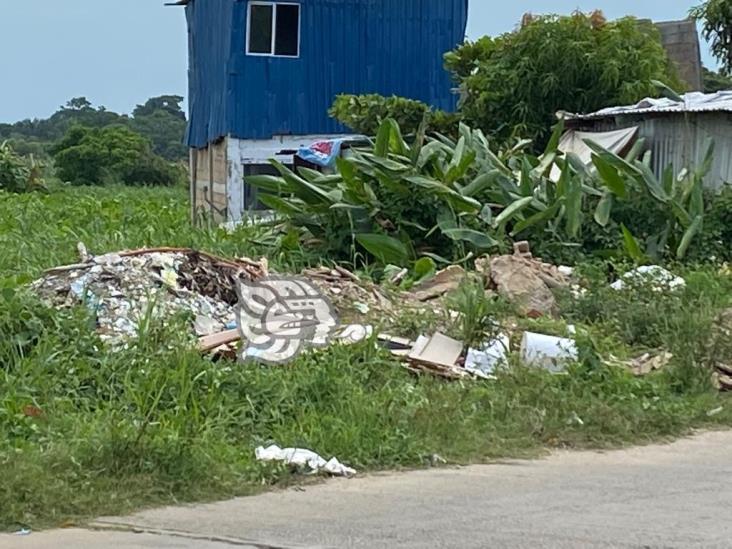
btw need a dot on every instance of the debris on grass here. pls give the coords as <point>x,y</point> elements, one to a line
<point>443,282</point>
<point>124,289</point>
<point>304,459</point>
<point>657,277</point>
<point>551,353</point>
<point>484,361</point>
<point>524,281</point>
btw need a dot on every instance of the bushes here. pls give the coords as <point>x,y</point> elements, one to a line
<point>113,154</point>
<point>515,83</point>
<point>452,200</point>
<point>18,174</point>
<point>365,113</point>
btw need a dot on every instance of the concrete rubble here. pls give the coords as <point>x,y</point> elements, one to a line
<point>124,289</point>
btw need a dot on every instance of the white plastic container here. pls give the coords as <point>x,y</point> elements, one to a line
<point>548,352</point>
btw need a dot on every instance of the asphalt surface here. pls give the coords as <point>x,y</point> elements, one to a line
<point>662,496</point>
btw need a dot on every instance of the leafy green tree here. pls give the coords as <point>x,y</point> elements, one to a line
<point>716,19</point>
<point>114,154</point>
<point>714,81</point>
<point>515,84</point>
<point>162,120</point>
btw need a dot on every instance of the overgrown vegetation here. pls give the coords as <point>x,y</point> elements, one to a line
<point>160,119</point>
<point>18,174</point>
<point>716,19</point>
<point>453,200</point>
<point>514,84</point>
<point>86,431</point>
<point>113,154</point>
<point>364,114</point>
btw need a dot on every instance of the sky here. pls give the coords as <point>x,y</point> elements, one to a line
<point>118,53</point>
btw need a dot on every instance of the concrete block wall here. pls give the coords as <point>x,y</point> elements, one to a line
<point>681,40</point>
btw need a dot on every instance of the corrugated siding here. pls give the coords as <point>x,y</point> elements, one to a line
<point>678,140</point>
<point>391,47</point>
<point>209,48</point>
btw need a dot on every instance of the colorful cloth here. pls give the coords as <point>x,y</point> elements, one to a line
<point>322,153</point>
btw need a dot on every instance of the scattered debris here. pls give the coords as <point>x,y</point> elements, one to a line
<point>304,458</point>
<point>659,278</point>
<point>548,352</point>
<point>437,355</point>
<point>353,333</point>
<point>715,412</point>
<point>648,363</point>
<point>483,362</point>
<point>347,291</point>
<point>527,283</point>
<point>443,282</point>
<point>122,289</point>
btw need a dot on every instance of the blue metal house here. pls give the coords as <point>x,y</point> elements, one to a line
<point>263,75</point>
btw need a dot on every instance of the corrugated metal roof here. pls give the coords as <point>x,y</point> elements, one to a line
<point>692,102</point>
<point>390,47</point>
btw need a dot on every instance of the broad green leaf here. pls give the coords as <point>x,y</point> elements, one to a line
<point>480,183</point>
<point>610,176</point>
<point>309,174</point>
<point>383,137</point>
<point>486,215</point>
<point>428,152</point>
<point>689,235</point>
<point>384,248</point>
<point>615,160</point>
<point>573,205</point>
<point>386,163</point>
<point>631,245</point>
<point>537,218</point>
<point>309,192</point>
<point>553,145</point>
<point>455,199</point>
<point>481,241</point>
<point>604,209</point>
<point>545,164</point>
<point>424,268</point>
<point>652,184</point>
<point>280,205</point>
<point>269,183</point>
<point>666,91</point>
<point>512,210</point>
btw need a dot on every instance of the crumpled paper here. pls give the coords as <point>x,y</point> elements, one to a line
<point>304,458</point>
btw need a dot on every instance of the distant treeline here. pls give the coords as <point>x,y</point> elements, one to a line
<point>160,119</point>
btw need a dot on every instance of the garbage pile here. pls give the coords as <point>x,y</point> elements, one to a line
<point>123,289</point>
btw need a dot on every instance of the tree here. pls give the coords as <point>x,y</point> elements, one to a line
<point>162,120</point>
<point>714,81</point>
<point>716,18</point>
<point>78,104</point>
<point>515,84</point>
<point>113,154</point>
<point>167,103</point>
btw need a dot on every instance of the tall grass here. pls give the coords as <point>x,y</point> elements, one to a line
<point>86,431</point>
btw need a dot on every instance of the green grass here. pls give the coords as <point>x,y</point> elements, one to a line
<point>85,432</point>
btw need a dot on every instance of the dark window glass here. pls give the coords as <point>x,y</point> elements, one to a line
<point>260,29</point>
<point>287,35</point>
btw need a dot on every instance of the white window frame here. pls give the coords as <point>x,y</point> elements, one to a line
<point>274,5</point>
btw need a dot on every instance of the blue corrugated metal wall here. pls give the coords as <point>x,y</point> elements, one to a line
<point>347,46</point>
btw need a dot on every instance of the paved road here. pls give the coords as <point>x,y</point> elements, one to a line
<point>678,495</point>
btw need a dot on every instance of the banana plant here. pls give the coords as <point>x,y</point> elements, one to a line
<point>680,195</point>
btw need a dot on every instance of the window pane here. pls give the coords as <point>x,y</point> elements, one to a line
<point>260,29</point>
<point>287,36</point>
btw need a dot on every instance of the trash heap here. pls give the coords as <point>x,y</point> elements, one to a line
<point>123,289</point>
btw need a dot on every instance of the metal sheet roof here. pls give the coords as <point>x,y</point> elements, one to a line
<point>692,102</point>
